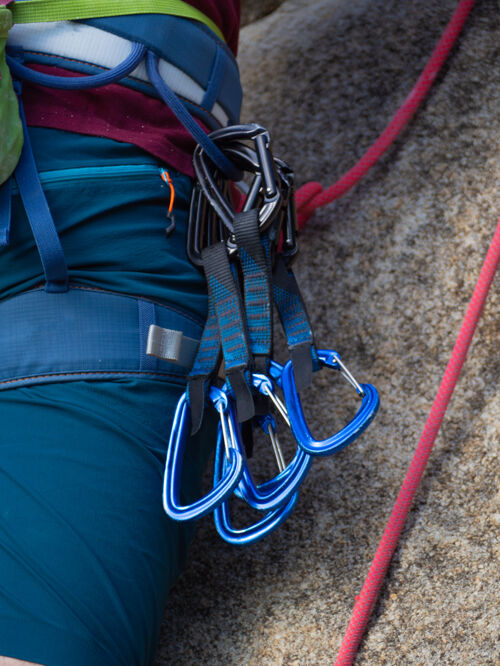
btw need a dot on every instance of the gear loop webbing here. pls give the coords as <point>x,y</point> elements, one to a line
<point>183,115</point>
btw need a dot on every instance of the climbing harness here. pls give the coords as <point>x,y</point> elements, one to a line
<point>242,234</point>
<point>246,252</point>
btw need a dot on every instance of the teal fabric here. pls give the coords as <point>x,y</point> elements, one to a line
<point>112,229</point>
<point>87,555</point>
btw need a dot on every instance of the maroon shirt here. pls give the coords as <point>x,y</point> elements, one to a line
<point>119,113</point>
<point>226,14</point>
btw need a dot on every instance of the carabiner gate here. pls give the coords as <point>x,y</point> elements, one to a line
<point>369,406</point>
<point>277,491</point>
<point>179,435</point>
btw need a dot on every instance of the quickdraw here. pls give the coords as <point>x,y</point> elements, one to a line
<point>246,252</point>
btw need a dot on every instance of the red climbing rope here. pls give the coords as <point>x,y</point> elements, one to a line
<point>312,195</point>
<point>369,593</point>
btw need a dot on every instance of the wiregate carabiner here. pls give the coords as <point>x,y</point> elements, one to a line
<point>179,436</point>
<point>277,491</point>
<point>369,406</point>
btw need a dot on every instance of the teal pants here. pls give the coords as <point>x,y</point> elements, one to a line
<point>87,554</point>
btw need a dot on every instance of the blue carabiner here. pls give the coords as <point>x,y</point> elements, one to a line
<point>276,491</point>
<point>246,535</point>
<point>179,436</point>
<point>369,406</point>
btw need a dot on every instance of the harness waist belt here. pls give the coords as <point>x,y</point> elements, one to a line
<point>198,66</point>
<point>92,334</point>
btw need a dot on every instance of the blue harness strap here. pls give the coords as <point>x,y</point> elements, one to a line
<point>183,115</point>
<point>5,212</point>
<point>216,77</point>
<point>191,47</point>
<point>90,334</point>
<point>137,53</point>
<point>184,46</point>
<point>39,216</point>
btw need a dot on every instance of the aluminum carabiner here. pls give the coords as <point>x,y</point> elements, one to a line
<point>366,413</point>
<point>277,491</point>
<point>179,436</point>
<point>246,535</point>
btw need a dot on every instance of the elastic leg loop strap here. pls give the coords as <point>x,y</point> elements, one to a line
<point>91,334</point>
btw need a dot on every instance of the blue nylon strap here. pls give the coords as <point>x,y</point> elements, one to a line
<point>256,270</point>
<point>5,212</point>
<point>215,81</point>
<point>84,334</point>
<point>135,57</point>
<point>208,351</point>
<point>224,293</point>
<point>39,216</point>
<point>191,47</point>
<point>183,115</point>
<point>294,319</point>
<point>204,366</point>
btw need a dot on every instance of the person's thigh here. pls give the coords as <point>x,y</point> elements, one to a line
<point>87,554</point>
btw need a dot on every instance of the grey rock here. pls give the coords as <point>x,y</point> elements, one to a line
<point>387,272</point>
<point>252,10</point>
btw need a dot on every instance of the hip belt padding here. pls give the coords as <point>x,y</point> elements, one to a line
<point>89,334</point>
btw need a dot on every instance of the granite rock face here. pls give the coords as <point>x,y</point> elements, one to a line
<point>387,272</point>
<point>252,10</point>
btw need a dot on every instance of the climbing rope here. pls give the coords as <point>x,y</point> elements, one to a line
<point>378,569</point>
<point>312,195</point>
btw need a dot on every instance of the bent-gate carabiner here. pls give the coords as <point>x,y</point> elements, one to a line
<point>179,436</point>
<point>369,406</point>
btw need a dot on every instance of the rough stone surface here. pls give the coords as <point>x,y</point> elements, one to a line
<point>387,273</point>
<point>252,10</point>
